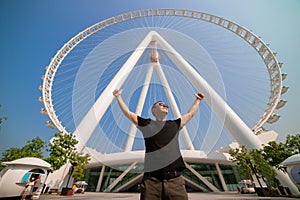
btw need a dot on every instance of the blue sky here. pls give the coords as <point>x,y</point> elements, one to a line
<point>32,31</point>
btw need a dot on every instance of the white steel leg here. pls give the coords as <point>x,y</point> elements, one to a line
<point>139,108</point>
<point>239,130</point>
<point>187,140</point>
<point>89,122</point>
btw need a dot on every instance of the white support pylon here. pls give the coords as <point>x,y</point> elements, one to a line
<point>238,129</point>
<point>139,108</point>
<point>154,64</point>
<point>86,127</point>
<point>186,138</point>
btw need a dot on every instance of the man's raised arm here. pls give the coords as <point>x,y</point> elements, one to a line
<point>124,108</point>
<point>189,115</point>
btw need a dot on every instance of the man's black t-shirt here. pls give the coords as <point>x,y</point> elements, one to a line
<point>162,146</point>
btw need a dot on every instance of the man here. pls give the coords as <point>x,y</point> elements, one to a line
<point>163,163</point>
<point>27,188</point>
<point>36,186</point>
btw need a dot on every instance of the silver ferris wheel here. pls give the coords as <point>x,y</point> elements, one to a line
<point>234,62</point>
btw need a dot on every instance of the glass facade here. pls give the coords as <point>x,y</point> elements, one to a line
<point>208,171</point>
<point>231,176</point>
<point>91,176</point>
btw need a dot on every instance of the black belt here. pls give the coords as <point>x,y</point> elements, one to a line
<point>165,175</point>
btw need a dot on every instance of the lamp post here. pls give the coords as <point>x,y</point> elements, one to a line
<point>66,190</point>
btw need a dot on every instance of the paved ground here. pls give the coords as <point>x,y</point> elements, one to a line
<point>135,196</point>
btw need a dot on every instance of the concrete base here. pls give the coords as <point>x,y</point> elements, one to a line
<point>66,192</point>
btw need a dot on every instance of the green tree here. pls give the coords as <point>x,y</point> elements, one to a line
<point>265,159</point>
<point>242,157</point>
<point>293,143</point>
<point>274,153</point>
<point>33,148</point>
<point>264,169</point>
<point>79,169</point>
<point>11,154</point>
<point>253,163</point>
<point>62,149</point>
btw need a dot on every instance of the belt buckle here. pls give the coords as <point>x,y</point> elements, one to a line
<point>170,175</point>
<point>175,173</point>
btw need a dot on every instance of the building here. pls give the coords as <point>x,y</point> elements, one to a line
<point>122,172</point>
<point>292,165</point>
<point>16,174</point>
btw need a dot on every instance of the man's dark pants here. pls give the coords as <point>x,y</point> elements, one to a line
<point>163,189</point>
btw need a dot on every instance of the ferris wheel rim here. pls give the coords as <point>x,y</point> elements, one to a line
<point>266,54</point>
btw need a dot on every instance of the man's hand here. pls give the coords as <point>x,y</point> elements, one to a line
<point>117,92</point>
<point>199,96</point>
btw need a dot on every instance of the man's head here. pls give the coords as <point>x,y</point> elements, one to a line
<point>160,110</point>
